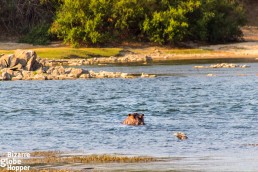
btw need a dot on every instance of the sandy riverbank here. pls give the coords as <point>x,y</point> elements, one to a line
<point>52,161</point>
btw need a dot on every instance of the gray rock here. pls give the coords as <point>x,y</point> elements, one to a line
<point>85,76</point>
<point>40,77</point>
<point>76,72</point>
<point>16,67</point>
<point>13,61</point>
<point>6,76</point>
<point>30,63</point>
<point>5,60</point>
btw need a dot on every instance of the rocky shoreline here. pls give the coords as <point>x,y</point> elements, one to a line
<point>223,65</point>
<point>128,59</point>
<point>25,65</point>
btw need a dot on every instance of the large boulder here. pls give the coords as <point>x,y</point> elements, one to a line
<point>5,60</point>
<point>28,59</point>
<point>24,56</point>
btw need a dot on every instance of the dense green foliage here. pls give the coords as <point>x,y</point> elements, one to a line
<point>90,22</point>
<point>161,21</point>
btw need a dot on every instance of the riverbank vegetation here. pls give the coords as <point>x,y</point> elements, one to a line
<point>94,23</point>
<point>67,52</point>
<point>51,157</point>
<point>58,161</point>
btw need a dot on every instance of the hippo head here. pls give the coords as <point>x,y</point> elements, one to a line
<point>139,118</point>
<point>134,119</point>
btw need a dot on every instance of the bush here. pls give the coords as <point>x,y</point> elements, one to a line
<point>217,21</point>
<point>83,21</point>
<point>38,35</point>
<point>225,24</point>
<point>162,21</point>
<point>127,18</point>
<point>169,24</point>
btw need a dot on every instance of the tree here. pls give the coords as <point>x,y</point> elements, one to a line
<point>83,21</point>
<point>225,24</point>
<point>161,21</point>
<point>169,24</point>
<point>19,16</point>
<point>127,17</point>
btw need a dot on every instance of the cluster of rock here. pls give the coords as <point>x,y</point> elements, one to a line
<point>25,65</point>
<point>228,65</point>
<point>131,58</point>
<point>224,65</point>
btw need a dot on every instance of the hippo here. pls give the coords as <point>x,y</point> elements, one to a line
<point>134,119</point>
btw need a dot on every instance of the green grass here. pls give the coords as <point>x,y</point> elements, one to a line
<point>84,53</point>
<point>6,52</point>
<point>187,51</point>
<point>64,52</point>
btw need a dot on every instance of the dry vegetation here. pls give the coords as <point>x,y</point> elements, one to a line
<point>59,158</point>
<point>54,161</point>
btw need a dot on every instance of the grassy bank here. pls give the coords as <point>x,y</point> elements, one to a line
<point>84,53</point>
<point>66,52</point>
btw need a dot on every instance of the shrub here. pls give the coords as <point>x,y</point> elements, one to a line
<point>225,24</point>
<point>84,21</point>
<point>169,24</point>
<point>162,21</point>
<point>217,21</point>
<point>127,18</point>
<point>38,35</point>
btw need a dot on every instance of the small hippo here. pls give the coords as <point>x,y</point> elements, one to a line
<point>134,119</point>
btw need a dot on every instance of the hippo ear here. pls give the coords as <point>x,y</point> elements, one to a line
<point>142,114</point>
<point>129,114</point>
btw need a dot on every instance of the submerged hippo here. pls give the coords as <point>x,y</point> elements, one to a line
<point>134,119</point>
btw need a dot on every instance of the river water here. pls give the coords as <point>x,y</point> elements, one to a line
<point>219,114</point>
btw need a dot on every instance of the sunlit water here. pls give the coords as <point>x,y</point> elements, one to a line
<point>219,115</point>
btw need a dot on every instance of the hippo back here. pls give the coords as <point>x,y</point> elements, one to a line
<point>134,119</point>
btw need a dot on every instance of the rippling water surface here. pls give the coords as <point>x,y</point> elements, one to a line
<point>219,114</point>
